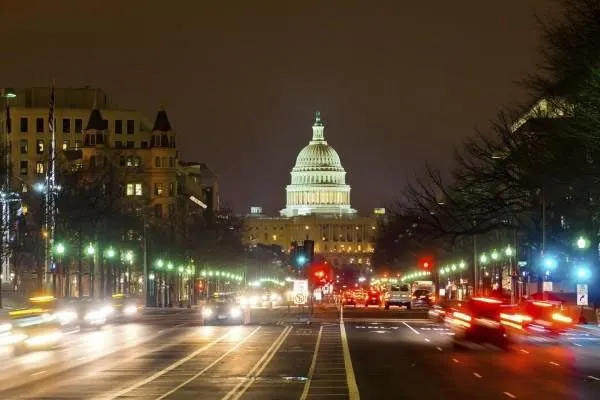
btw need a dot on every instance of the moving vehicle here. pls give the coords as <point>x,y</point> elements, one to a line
<point>398,295</point>
<point>30,329</point>
<point>222,308</point>
<point>539,318</point>
<point>478,320</point>
<point>373,299</point>
<point>125,308</point>
<point>422,298</point>
<point>348,298</point>
<point>82,313</point>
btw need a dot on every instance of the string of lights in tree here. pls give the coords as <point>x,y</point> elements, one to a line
<point>494,256</point>
<point>261,281</point>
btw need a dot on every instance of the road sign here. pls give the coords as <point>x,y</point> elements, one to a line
<point>547,286</point>
<point>301,286</point>
<point>582,294</point>
<point>299,298</point>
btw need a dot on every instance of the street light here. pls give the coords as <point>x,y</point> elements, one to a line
<point>110,253</point>
<point>462,265</point>
<point>60,249</point>
<point>582,243</point>
<point>483,259</point>
<point>549,262</point>
<point>508,251</point>
<point>583,273</point>
<point>495,255</point>
<point>90,250</point>
<point>169,265</point>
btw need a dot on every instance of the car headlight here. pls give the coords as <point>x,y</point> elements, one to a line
<point>265,297</point>
<point>207,312</point>
<point>107,310</point>
<point>66,317</point>
<point>95,316</point>
<point>130,310</point>
<point>6,327</point>
<point>235,312</point>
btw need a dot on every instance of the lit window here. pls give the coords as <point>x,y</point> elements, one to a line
<point>65,145</point>
<point>129,189</point>
<point>274,237</point>
<point>159,189</point>
<point>40,146</point>
<point>138,189</point>
<point>24,145</point>
<point>39,167</point>
<point>133,189</point>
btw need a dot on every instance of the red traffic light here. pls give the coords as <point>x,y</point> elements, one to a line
<point>426,263</point>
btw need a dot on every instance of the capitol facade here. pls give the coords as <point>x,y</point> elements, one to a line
<point>317,208</point>
<point>318,180</point>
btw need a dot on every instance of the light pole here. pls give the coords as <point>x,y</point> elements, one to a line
<point>90,250</point>
<point>129,259</point>
<point>7,196</point>
<point>60,251</point>
<point>110,256</point>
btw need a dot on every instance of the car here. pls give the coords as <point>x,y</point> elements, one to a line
<point>541,318</point>
<point>421,299</point>
<point>348,299</point>
<point>31,329</point>
<point>124,308</point>
<point>478,320</point>
<point>222,308</point>
<point>398,295</point>
<point>82,313</point>
<point>373,298</point>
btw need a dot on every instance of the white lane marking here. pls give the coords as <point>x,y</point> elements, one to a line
<point>313,365</point>
<point>593,377</point>
<point>455,360</point>
<point>439,348</point>
<point>476,375</point>
<point>577,344</point>
<point>38,373</point>
<point>553,363</point>
<point>411,328</point>
<point>353,393</point>
<point>524,351</point>
<point>427,340</point>
<point>165,370</point>
<point>259,367</point>
<point>509,394</point>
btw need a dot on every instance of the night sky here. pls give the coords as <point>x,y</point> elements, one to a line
<point>397,82</point>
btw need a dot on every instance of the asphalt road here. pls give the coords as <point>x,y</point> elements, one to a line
<point>372,354</point>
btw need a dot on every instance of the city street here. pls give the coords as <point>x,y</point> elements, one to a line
<point>281,355</point>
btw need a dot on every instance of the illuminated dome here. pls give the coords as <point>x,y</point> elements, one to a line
<point>318,179</point>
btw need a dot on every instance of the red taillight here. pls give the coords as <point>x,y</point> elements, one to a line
<point>487,300</point>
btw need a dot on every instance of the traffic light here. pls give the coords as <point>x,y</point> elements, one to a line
<point>298,256</point>
<point>426,263</point>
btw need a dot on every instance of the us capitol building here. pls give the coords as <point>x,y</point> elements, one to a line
<point>318,208</point>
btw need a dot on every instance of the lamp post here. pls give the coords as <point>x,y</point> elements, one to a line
<point>60,251</point>
<point>110,256</point>
<point>129,259</point>
<point>90,251</point>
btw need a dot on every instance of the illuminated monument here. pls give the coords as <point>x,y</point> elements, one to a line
<point>317,208</point>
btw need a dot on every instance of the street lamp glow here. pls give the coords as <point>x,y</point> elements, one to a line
<point>60,249</point>
<point>90,250</point>
<point>203,273</point>
<point>483,258</point>
<point>549,262</point>
<point>582,243</point>
<point>181,270</point>
<point>110,253</point>
<point>39,187</point>
<point>494,255</point>
<point>160,263</point>
<point>508,251</point>
<point>462,265</point>
<point>170,265</point>
<point>583,273</point>
<point>453,267</point>
<point>129,256</point>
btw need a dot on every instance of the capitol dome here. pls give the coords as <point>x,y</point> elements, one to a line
<point>318,179</point>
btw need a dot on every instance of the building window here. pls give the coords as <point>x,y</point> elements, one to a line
<point>130,145</point>
<point>133,189</point>
<point>158,210</point>
<point>66,125</point>
<point>24,146</point>
<point>24,167</point>
<point>157,162</point>
<point>24,125</point>
<point>134,161</point>
<point>118,144</point>
<point>144,144</point>
<point>159,189</point>
<point>171,189</point>
<point>130,126</point>
<point>78,125</point>
<point>65,144</point>
<point>39,147</point>
<point>274,237</point>
<point>39,167</point>
<point>118,126</point>
<point>39,125</point>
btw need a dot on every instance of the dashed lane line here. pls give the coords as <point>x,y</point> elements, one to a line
<point>350,377</point>
<point>411,328</point>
